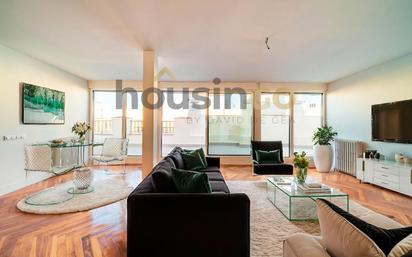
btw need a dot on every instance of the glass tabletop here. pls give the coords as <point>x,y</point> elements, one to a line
<point>49,196</point>
<point>70,144</point>
<point>288,185</point>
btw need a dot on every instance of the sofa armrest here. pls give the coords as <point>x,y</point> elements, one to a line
<point>213,161</point>
<point>303,245</point>
<point>184,225</point>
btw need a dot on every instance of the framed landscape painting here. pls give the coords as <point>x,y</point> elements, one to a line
<point>42,105</point>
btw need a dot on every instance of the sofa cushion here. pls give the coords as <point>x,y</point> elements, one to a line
<point>193,161</point>
<point>269,157</point>
<point>385,239</point>
<point>210,169</point>
<point>408,254</point>
<point>215,176</point>
<point>190,181</point>
<point>381,221</point>
<point>219,186</point>
<point>402,248</point>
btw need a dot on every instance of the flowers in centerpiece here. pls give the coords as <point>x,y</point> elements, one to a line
<point>80,129</point>
<point>301,163</point>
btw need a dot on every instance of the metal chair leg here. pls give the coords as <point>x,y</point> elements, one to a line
<point>124,167</point>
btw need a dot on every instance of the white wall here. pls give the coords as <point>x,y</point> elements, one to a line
<point>14,69</point>
<point>349,101</point>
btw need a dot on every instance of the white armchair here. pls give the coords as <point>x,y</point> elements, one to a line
<point>114,150</point>
<point>39,158</point>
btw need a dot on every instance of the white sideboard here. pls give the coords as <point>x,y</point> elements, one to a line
<point>388,174</point>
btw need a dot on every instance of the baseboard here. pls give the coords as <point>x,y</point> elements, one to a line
<point>16,185</point>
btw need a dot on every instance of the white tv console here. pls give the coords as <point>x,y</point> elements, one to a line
<point>388,174</point>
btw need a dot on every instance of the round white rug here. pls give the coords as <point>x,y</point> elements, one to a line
<point>268,226</point>
<point>106,191</point>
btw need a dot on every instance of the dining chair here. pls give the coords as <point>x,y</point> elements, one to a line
<point>37,158</point>
<point>114,150</point>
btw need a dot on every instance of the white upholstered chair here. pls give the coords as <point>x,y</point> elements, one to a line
<point>114,150</point>
<point>37,158</point>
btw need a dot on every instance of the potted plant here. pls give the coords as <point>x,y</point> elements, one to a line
<point>301,163</point>
<point>323,152</point>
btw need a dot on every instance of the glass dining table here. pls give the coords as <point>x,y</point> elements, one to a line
<point>80,148</point>
<point>68,155</point>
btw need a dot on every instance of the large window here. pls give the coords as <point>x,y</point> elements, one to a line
<point>183,123</point>
<point>225,127</point>
<point>275,118</point>
<point>308,111</point>
<point>230,129</point>
<point>107,119</point>
<point>134,123</point>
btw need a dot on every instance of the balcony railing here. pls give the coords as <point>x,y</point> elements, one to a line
<point>135,127</point>
<point>169,127</point>
<point>103,127</point>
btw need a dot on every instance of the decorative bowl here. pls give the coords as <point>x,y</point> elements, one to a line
<point>82,178</point>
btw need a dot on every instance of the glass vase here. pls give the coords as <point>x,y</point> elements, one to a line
<point>82,138</point>
<point>301,174</point>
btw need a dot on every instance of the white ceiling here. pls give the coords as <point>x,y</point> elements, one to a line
<point>310,40</point>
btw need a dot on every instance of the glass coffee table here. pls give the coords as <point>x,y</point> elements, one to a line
<point>297,205</point>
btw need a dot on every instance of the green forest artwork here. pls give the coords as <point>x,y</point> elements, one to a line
<point>42,105</point>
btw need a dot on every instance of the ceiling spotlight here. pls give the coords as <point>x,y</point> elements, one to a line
<point>266,42</point>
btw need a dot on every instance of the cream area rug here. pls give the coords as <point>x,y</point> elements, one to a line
<point>105,191</point>
<point>269,227</point>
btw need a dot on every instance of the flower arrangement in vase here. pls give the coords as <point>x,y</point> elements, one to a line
<point>80,129</point>
<point>301,163</point>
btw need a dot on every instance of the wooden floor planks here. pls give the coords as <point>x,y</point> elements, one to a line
<point>102,232</point>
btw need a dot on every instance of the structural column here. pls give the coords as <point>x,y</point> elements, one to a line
<point>150,142</point>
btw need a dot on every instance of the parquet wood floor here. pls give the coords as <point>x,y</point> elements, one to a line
<point>102,231</point>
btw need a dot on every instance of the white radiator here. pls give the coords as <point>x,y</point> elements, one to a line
<point>346,152</point>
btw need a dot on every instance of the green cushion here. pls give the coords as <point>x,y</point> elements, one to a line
<point>267,157</point>
<point>187,181</point>
<point>199,152</point>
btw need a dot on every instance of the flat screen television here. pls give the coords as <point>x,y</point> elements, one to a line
<point>392,122</point>
<point>42,105</point>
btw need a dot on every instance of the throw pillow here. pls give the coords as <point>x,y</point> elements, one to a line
<point>177,159</point>
<point>190,181</point>
<point>162,182</point>
<point>201,153</point>
<point>192,161</point>
<point>341,238</point>
<point>384,239</point>
<point>263,157</point>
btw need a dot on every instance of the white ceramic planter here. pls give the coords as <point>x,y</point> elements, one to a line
<point>323,157</point>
